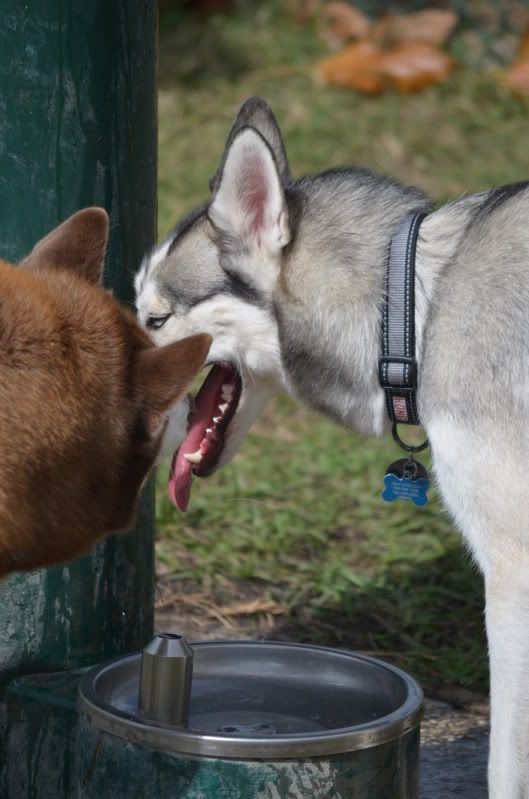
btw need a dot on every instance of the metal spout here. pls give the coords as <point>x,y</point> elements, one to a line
<point>165,681</point>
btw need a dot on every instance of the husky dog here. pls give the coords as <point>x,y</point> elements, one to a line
<point>288,278</point>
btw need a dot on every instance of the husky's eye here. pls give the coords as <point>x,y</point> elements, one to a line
<point>156,322</point>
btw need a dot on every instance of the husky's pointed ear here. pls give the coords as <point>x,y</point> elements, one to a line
<point>249,202</point>
<point>79,244</point>
<point>255,113</point>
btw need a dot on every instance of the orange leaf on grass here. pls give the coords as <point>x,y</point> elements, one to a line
<point>431,26</point>
<point>523,50</point>
<point>367,68</point>
<point>340,22</point>
<point>356,67</point>
<point>412,67</point>
<point>517,77</point>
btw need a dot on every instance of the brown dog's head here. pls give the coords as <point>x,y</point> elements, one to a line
<point>87,403</point>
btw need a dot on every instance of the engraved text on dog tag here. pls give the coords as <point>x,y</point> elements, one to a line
<point>406,479</point>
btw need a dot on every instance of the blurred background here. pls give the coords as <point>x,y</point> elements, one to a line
<point>292,540</point>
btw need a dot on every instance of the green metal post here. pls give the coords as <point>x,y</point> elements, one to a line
<point>78,128</point>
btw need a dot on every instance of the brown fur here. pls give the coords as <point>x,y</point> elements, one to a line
<point>83,393</point>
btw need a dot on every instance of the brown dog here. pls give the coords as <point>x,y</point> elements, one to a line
<point>87,403</point>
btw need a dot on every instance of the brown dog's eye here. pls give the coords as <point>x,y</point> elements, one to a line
<point>156,322</point>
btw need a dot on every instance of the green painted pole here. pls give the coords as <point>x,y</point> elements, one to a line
<point>78,128</point>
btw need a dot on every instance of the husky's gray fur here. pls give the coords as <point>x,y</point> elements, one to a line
<point>288,276</point>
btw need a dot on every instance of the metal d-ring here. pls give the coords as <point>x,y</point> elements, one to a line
<point>407,447</point>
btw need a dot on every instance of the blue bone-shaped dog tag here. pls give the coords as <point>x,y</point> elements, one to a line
<point>406,479</point>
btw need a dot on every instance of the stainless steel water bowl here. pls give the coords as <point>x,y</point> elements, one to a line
<point>263,700</point>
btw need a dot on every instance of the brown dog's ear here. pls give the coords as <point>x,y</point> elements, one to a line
<point>79,245</point>
<point>163,374</point>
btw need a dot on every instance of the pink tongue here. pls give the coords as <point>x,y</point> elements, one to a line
<point>205,404</point>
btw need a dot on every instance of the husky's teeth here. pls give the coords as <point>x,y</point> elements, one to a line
<point>194,457</point>
<point>209,430</point>
<point>217,419</point>
<point>223,407</point>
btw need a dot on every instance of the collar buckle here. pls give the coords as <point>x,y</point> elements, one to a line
<point>397,371</point>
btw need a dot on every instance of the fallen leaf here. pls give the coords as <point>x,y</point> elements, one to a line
<point>517,77</point>
<point>251,608</point>
<point>523,49</point>
<point>369,69</point>
<point>432,26</point>
<point>412,67</point>
<point>355,67</point>
<point>341,22</point>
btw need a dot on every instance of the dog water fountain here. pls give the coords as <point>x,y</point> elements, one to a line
<point>248,720</point>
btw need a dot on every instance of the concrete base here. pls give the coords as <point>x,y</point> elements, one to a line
<point>453,753</point>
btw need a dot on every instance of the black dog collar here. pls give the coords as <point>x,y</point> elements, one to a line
<point>397,365</point>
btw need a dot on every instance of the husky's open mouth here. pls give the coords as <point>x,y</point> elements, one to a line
<point>215,406</point>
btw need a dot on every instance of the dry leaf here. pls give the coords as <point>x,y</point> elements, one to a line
<point>251,608</point>
<point>412,67</point>
<point>356,67</point>
<point>517,77</point>
<point>369,69</point>
<point>341,22</point>
<point>523,49</point>
<point>432,26</point>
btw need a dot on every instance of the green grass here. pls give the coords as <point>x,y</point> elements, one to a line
<point>462,136</point>
<point>298,515</point>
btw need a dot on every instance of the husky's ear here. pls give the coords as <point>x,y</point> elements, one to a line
<point>79,244</point>
<point>255,113</point>
<point>249,202</point>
